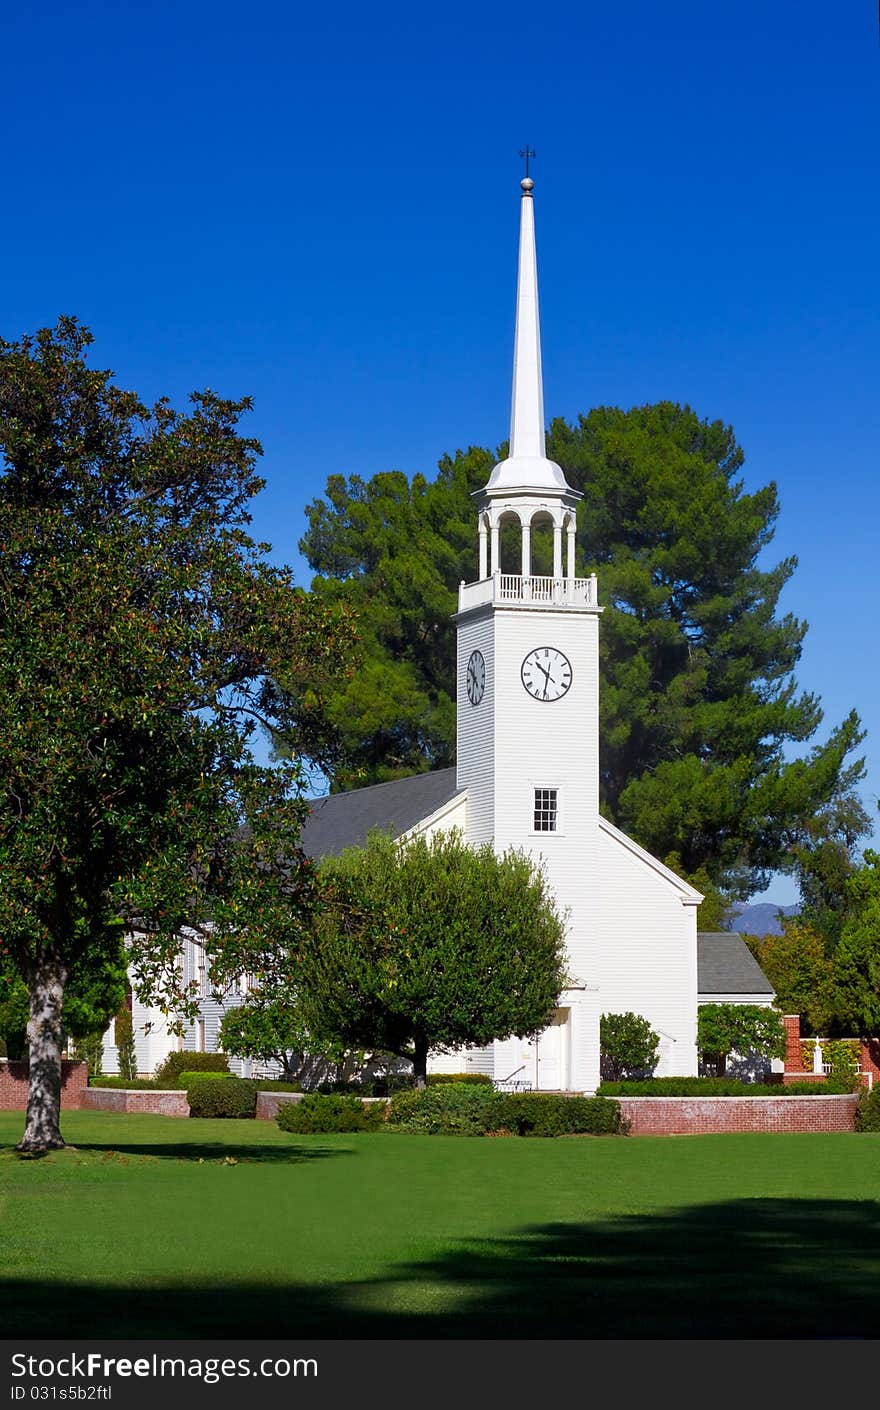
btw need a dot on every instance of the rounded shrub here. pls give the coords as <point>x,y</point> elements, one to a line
<point>322,1112</point>
<point>868,1112</point>
<point>167,1074</point>
<point>207,1097</point>
<point>448,1109</point>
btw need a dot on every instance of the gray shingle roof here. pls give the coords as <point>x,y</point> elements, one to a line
<point>343,819</point>
<point>726,965</point>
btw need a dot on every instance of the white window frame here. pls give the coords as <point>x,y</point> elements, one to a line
<point>559,830</point>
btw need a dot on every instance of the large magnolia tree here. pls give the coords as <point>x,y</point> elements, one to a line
<point>141,629</point>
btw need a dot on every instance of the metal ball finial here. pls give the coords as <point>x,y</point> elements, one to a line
<point>527,183</point>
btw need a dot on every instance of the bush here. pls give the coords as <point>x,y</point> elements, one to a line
<point>472,1079</point>
<point>628,1045</point>
<point>126,1055</point>
<point>448,1109</point>
<point>167,1074</point>
<point>129,1084</point>
<point>185,1078</point>
<point>235,1098</point>
<point>868,1112</point>
<point>90,1049</point>
<point>543,1114</point>
<point>319,1113</point>
<point>719,1087</point>
<point>269,1084</point>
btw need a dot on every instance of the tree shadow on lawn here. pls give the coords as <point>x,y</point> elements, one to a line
<point>233,1152</point>
<point>742,1269</point>
<point>243,1154</point>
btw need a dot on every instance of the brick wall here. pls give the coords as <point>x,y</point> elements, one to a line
<point>269,1102</point>
<point>703,1116</point>
<point>171,1103</point>
<point>869,1055</point>
<point>14,1084</point>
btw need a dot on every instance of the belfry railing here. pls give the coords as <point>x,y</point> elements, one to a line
<point>514,590</point>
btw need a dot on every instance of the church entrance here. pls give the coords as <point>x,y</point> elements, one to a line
<point>550,1054</point>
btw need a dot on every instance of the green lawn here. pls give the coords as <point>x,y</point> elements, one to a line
<point>144,1229</point>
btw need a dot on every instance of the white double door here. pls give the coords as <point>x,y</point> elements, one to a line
<point>548,1064</point>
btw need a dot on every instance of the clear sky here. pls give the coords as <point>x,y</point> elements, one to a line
<point>319,208</point>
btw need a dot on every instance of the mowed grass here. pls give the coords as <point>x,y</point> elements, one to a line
<point>153,1227</point>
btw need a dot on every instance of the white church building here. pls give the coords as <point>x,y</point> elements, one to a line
<point>527,776</point>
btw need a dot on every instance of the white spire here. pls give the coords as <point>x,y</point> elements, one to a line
<point>527,466</point>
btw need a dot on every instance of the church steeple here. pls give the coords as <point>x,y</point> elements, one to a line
<point>527,466</point>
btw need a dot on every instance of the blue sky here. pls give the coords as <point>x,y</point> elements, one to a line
<point>318,208</point>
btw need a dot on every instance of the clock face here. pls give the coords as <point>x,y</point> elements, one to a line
<point>476,677</point>
<point>546,673</point>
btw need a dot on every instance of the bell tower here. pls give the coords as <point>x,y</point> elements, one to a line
<point>528,696</point>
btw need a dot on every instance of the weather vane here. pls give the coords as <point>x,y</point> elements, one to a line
<point>529,152</point>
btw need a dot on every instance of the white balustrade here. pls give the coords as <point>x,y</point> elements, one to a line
<point>514,589</point>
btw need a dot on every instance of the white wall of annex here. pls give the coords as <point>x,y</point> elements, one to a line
<point>647,963</point>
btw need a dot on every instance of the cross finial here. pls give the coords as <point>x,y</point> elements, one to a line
<point>528,153</point>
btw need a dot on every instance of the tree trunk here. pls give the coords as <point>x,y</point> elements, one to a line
<point>42,1131</point>
<point>420,1061</point>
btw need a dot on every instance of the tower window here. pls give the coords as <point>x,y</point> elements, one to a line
<point>546,809</point>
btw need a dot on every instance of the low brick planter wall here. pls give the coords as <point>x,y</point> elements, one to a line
<point>269,1102</point>
<point>140,1103</point>
<point>14,1084</point>
<point>703,1116</point>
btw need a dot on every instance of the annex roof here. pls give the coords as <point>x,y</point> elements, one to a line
<point>344,819</point>
<point>726,965</point>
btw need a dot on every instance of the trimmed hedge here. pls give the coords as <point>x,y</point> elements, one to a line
<point>127,1084</point>
<point>720,1087</point>
<point>269,1084</point>
<point>185,1078</point>
<point>472,1079</point>
<point>535,1114</point>
<point>207,1097</point>
<point>868,1112</point>
<point>321,1112</point>
<point>167,1074</point>
<point>475,1110</point>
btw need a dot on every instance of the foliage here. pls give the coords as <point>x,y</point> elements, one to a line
<point>318,1113</point>
<point>272,1084</point>
<point>187,1078</point>
<point>723,1029</point>
<point>470,1079</point>
<point>268,1026</point>
<point>545,1114</point>
<point>841,1055</point>
<point>699,705</point>
<point>463,1110</point>
<point>128,1084</point>
<point>144,635</point>
<point>168,1073</point>
<point>90,1049</point>
<point>235,1098</point>
<point>628,1045</point>
<point>430,944</point>
<point>798,967</point>
<point>857,956</point>
<point>720,1087</point>
<point>126,1056</point>
<point>453,1109</point>
<point>868,1112</point>
<point>95,989</point>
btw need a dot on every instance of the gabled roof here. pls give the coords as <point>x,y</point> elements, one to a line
<point>726,965</point>
<point>344,819</point>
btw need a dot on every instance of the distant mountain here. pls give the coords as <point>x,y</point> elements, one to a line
<point>759,919</point>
